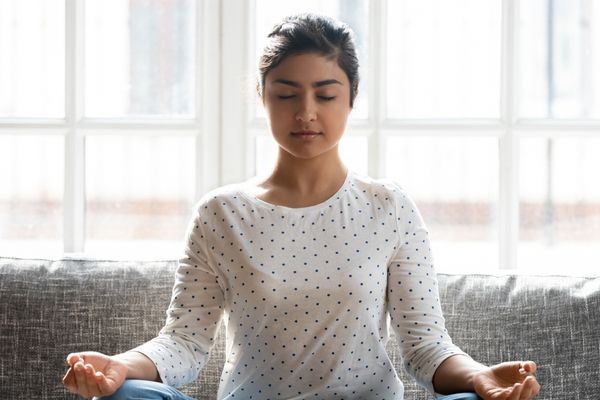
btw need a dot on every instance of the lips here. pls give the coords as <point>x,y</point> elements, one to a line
<point>305,133</point>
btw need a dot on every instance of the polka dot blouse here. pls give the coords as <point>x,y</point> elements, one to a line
<point>305,294</point>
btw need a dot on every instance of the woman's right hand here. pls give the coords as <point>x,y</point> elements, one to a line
<point>94,374</point>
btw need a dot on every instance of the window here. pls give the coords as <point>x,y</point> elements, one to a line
<point>487,113</point>
<point>32,53</point>
<point>101,124</point>
<point>118,115</point>
<point>32,80</point>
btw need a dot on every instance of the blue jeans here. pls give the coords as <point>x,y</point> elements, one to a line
<point>134,389</point>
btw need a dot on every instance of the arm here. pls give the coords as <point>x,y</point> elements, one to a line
<point>138,366</point>
<point>427,349</point>
<point>413,299</point>
<point>182,347</point>
<point>510,380</point>
<point>455,375</point>
<point>192,321</point>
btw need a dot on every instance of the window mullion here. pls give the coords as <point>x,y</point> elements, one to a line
<point>74,186</point>
<point>509,146</point>
<point>252,105</point>
<point>208,105</point>
<point>377,93</point>
<point>234,111</point>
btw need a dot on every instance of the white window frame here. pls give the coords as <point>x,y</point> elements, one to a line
<point>508,129</point>
<point>75,127</point>
<point>225,127</point>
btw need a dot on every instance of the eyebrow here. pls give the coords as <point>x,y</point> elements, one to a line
<point>315,84</point>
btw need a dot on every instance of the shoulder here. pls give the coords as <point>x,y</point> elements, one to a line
<point>223,196</point>
<point>387,195</point>
<point>384,189</point>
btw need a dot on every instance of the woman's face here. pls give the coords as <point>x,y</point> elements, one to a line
<point>307,100</point>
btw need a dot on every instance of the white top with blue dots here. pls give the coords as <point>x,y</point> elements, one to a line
<point>305,294</point>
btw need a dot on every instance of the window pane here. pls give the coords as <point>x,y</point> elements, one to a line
<point>266,155</point>
<point>454,182</point>
<point>139,58</point>
<point>138,190</point>
<point>355,13</point>
<point>31,194</point>
<point>32,58</point>
<point>560,205</point>
<point>443,59</point>
<point>353,151</point>
<point>559,59</point>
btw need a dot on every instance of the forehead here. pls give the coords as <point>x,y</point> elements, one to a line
<point>306,69</point>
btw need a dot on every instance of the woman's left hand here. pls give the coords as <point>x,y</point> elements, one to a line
<point>507,381</point>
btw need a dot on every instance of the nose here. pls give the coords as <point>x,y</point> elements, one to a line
<point>307,110</point>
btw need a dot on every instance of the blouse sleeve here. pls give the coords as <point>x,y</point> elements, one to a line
<point>182,346</point>
<point>413,297</point>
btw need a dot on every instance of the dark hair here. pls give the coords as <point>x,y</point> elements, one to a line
<point>307,33</point>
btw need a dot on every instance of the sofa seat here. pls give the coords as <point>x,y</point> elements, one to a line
<point>50,308</point>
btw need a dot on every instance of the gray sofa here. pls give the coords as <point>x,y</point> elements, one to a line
<point>50,308</point>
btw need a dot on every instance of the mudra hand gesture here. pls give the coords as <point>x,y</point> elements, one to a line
<point>507,381</point>
<point>94,374</point>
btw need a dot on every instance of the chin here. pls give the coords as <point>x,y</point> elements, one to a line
<point>308,154</point>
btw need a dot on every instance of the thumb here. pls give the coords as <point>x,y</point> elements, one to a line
<point>73,358</point>
<point>528,367</point>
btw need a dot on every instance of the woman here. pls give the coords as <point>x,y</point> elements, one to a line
<point>304,266</point>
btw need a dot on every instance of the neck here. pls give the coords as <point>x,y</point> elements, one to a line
<point>304,176</point>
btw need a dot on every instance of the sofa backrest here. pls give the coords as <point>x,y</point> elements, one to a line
<point>50,308</point>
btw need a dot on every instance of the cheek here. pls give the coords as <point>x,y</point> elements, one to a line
<point>278,119</point>
<point>283,118</point>
<point>338,115</point>
<point>277,109</point>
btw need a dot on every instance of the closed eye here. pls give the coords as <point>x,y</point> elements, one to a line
<point>326,98</point>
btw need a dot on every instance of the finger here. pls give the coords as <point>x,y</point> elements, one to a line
<point>529,366</point>
<point>515,368</point>
<point>527,392</point>
<point>92,381</point>
<point>536,388</point>
<point>90,372</point>
<point>73,358</point>
<point>81,379</point>
<point>516,392</point>
<point>69,380</point>
<point>533,385</point>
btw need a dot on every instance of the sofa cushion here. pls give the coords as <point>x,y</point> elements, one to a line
<point>552,320</point>
<point>50,308</point>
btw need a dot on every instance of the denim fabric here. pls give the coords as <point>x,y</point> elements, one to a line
<point>134,389</point>
<point>459,396</point>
